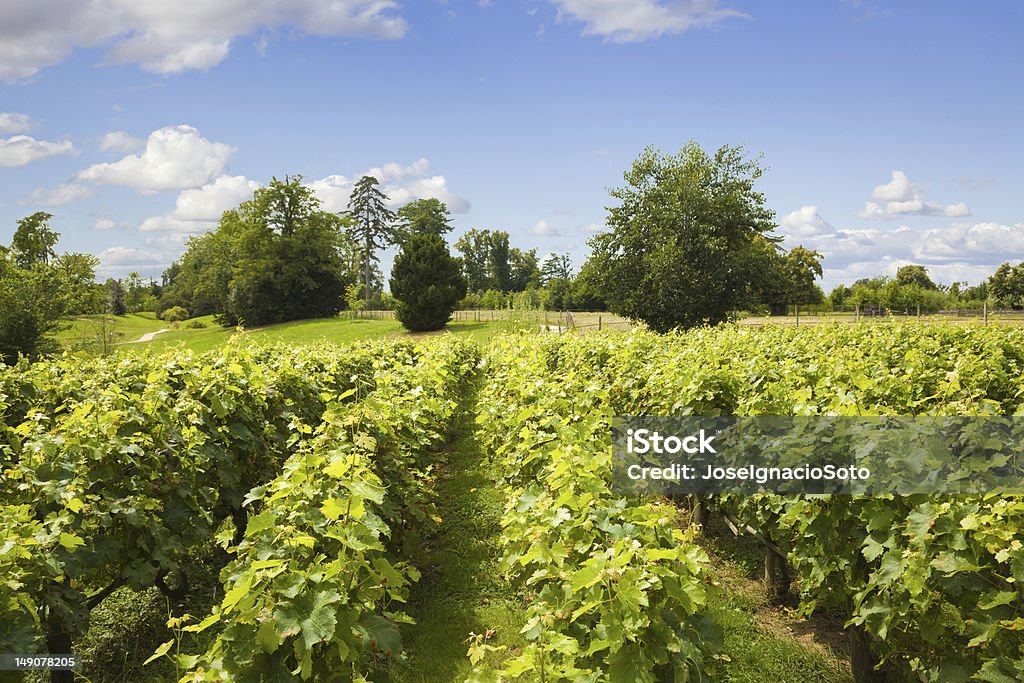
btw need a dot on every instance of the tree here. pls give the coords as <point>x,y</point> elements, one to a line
<point>275,257</point>
<point>524,271</point>
<point>115,297</point>
<point>1006,285</point>
<point>475,247</point>
<point>426,282</point>
<point>31,305</point>
<point>680,251</point>
<point>422,217</point>
<point>801,267</point>
<point>77,274</point>
<point>915,275</point>
<point>371,222</point>
<point>556,267</point>
<point>33,241</point>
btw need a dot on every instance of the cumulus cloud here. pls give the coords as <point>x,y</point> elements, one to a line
<point>175,157</point>
<point>167,37</point>
<point>628,21</point>
<point>961,251</point>
<point>401,183</point>
<point>804,222</point>
<point>11,122</point>
<point>543,228</point>
<point>901,197</point>
<point>593,228</point>
<point>120,141</point>
<point>56,196</point>
<point>21,150</point>
<point>104,224</point>
<point>116,261</point>
<point>197,209</point>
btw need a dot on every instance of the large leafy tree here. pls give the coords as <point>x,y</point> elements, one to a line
<point>680,251</point>
<point>556,267</point>
<point>911,274</point>
<point>34,240</point>
<point>426,282</point>
<point>371,222</point>
<point>422,217</point>
<point>275,257</point>
<point>1007,285</point>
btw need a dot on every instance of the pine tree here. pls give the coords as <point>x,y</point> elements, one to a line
<point>372,222</point>
<point>427,283</point>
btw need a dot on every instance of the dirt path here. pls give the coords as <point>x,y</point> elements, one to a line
<point>147,337</point>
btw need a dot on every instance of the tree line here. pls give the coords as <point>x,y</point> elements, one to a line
<point>689,242</point>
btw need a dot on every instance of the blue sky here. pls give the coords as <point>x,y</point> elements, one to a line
<point>892,130</point>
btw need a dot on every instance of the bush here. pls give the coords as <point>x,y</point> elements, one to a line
<point>175,314</point>
<point>195,324</point>
<point>426,282</point>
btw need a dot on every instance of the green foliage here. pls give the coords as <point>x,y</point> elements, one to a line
<point>422,217</point>
<point>371,223</point>
<point>147,456</point>
<point>276,257</point>
<point>681,248</point>
<point>34,240</point>
<point>426,282</point>
<point>32,302</point>
<point>1007,286</point>
<point>615,585</point>
<point>915,275</point>
<point>489,262</point>
<point>175,314</point>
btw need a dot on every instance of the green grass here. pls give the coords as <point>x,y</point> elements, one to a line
<point>88,328</point>
<point>462,589</point>
<point>337,330</point>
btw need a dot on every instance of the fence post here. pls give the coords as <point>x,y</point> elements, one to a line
<point>857,311</point>
<point>985,311</point>
<point>796,309</point>
<point>919,310</point>
<point>598,323</point>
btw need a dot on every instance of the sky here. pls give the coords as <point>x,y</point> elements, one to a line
<point>893,132</point>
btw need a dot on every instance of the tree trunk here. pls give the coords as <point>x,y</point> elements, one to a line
<point>366,273</point>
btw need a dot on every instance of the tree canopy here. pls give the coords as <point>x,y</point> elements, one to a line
<point>422,217</point>
<point>274,258</point>
<point>681,248</point>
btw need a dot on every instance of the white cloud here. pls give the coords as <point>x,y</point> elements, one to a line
<point>627,21</point>
<point>197,209</point>
<point>56,196</point>
<point>167,37</point>
<point>543,228</point>
<point>962,251</point>
<point>11,122</point>
<point>21,150</point>
<point>104,224</point>
<point>120,141</point>
<point>391,172</point>
<point>593,228</point>
<point>901,197</point>
<point>402,184</point>
<point>804,222</point>
<point>116,261</point>
<point>175,158</point>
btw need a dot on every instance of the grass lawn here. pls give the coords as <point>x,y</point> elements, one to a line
<point>336,330</point>
<point>89,328</point>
